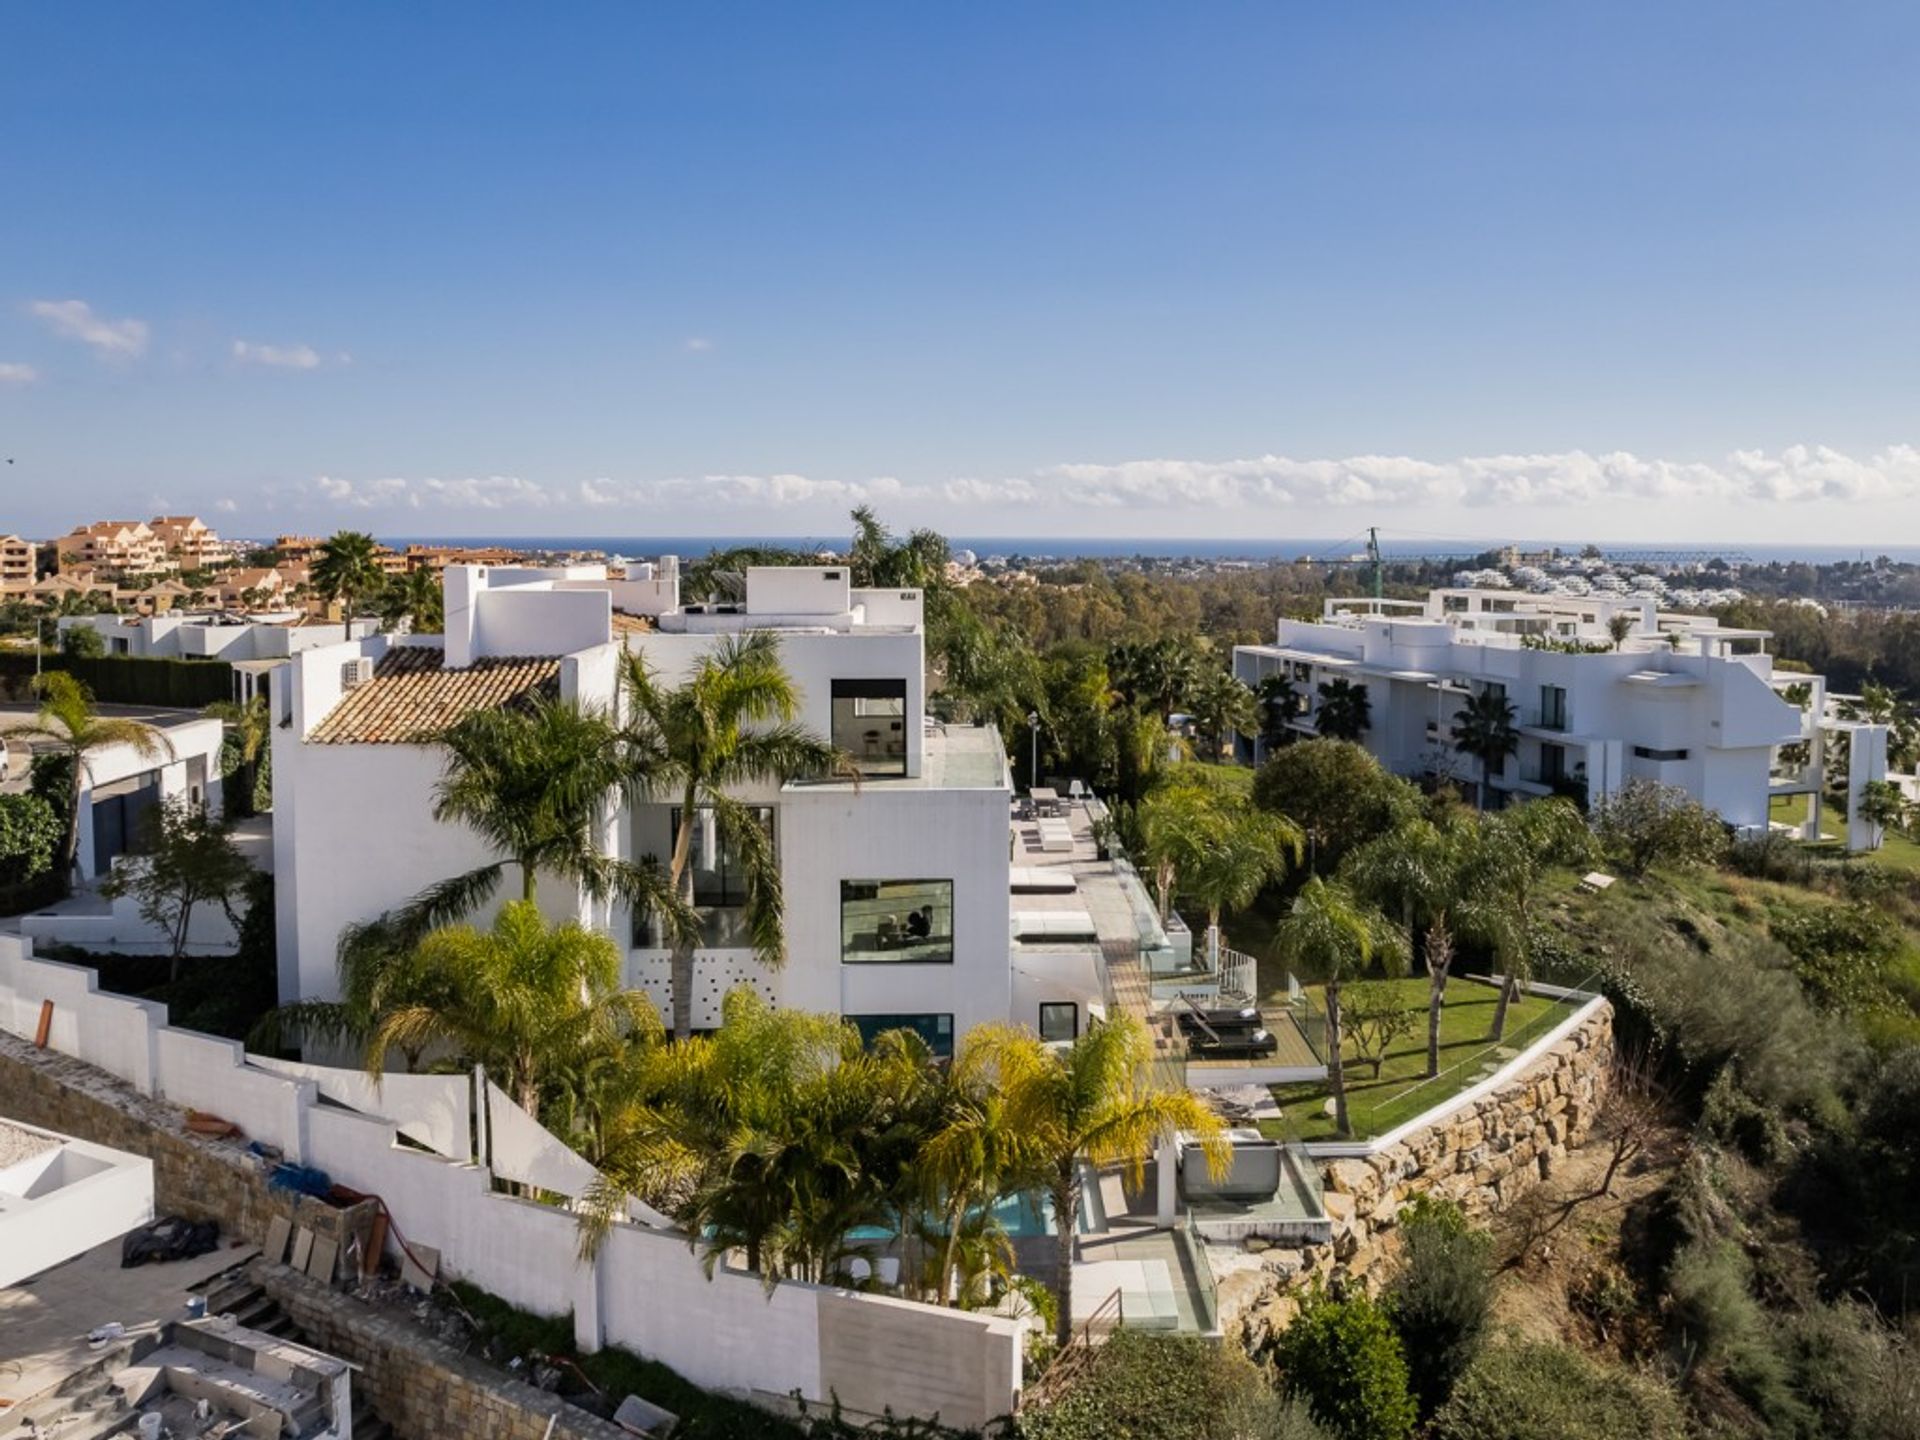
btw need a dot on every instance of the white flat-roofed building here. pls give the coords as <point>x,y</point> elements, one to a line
<point>1605,689</point>
<point>896,887</point>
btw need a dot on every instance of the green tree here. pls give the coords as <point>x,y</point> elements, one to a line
<point>1417,870</point>
<point>1251,849</point>
<point>417,599</point>
<point>67,718</point>
<point>1279,703</point>
<point>1619,627</point>
<point>1221,707</point>
<point>520,998</point>
<point>1345,711</point>
<point>1092,1099</point>
<point>348,568</point>
<point>189,862</point>
<point>1517,850</point>
<point>1337,793</point>
<point>1343,1358</point>
<point>730,724</point>
<point>777,1134</point>
<point>30,834</point>
<point>249,731</point>
<point>976,1156</point>
<point>83,642</point>
<point>1373,1018</point>
<point>1440,1300</point>
<point>1645,824</point>
<point>1484,729</point>
<point>1885,804</point>
<point>1331,937</point>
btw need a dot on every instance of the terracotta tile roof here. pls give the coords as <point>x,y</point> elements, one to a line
<point>411,698</point>
<point>625,624</point>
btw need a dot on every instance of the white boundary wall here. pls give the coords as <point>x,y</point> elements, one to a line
<point>646,1291</point>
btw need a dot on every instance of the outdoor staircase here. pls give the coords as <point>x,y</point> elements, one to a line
<point>84,1406</point>
<point>234,1293</point>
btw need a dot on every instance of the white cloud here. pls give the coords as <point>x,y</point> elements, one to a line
<point>278,357</point>
<point>1265,484</point>
<point>698,344</point>
<point>16,374</point>
<point>76,320</point>
<point>225,505</point>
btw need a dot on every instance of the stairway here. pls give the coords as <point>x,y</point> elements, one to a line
<point>82,1407</point>
<point>234,1293</point>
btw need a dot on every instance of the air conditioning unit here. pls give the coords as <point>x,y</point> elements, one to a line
<point>356,672</point>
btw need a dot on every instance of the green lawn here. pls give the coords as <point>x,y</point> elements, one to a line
<point>1467,1054</point>
<point>1897,853</point>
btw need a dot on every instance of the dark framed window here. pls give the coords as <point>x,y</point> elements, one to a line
<point>719,882</point>
<point>935,1029</point>
<point>1059,1020</point>
<point>870,724</point>
<point>1647,752</point>
<point>898,922</point>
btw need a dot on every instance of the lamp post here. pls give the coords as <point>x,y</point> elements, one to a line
<point>1033,766</point>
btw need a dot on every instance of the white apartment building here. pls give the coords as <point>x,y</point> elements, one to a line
<point>114,548</point>
<point>923,834</point>
<point>1678,699</point>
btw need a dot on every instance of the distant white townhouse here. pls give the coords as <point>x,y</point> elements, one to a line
<point>923,834</point>
<point>1604,689</point>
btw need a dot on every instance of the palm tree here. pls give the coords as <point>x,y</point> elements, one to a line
<point>533,780</point>
<point>1346,710</point>
<point>1518,849</point>
<point>417,598</point>
<point>1221,707</point>
<point>348,568</point>
<point>731,724</point>
<point>1483,728</point>
<point>1091,1099</point>
<point>1279,702</point>
<point>250,730</point>
<point>520,998</point>
<point>1331,936</point>
<point>1415,868</point>
<point>976,1156</point>
<point>67,718</point>
<point>1620,627</point>
<point>1247,850</point>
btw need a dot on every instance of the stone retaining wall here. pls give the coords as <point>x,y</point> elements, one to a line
<point>1482,1156</point>
<point>421,1387</point>
<point>193,1176</point>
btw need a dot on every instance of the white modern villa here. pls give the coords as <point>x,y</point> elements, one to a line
<point>1605,689</point>
<point>923,834</point>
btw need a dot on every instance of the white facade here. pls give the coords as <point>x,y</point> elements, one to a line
<point>922,839</point>
<point>206,637</point>
<point>1676,699</point>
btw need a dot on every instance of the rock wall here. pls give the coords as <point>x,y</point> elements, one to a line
<point>1482,1155</point>
<point>420,1386</point>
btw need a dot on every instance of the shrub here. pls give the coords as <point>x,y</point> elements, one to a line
<point>1441,1300</point>
<point>30,835</point>
<point>1168,1387</point>
<point>1840,952</point>
<point>1373,1015</point>
<point>1342,1357</point>
<point>1720,1324</point>
<point>1547,1392</point>
<point>1644,825</point>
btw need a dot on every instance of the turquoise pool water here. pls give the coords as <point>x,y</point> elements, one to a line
<point>1023,1217</point>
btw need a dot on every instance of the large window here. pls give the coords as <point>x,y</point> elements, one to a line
<point>870,724</point>
<point>1059,1020</point>
<point>936,1030</point>
<point>907,922</point>
<point>719,884</point>
<point>1553,707</point>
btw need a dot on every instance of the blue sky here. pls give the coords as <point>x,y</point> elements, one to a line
<point>1571,271</point>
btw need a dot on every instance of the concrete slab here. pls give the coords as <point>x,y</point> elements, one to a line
<point>45,1320</point>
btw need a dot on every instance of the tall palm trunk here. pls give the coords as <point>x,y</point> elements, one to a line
<point>681,969</point>
<point>956,1212</point>
<point>1509,989</point>
<point>1439,962</point>
<point>1336,1068</point>
<point>1066,1213</point>
<point>72,846</point>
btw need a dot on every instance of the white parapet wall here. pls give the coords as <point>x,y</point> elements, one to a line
<point>646,1289</point>
<point>60,1196</point>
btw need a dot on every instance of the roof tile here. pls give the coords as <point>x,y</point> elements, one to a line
<point>412,697</point>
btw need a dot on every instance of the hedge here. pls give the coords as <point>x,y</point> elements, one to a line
<point>128,679</point>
